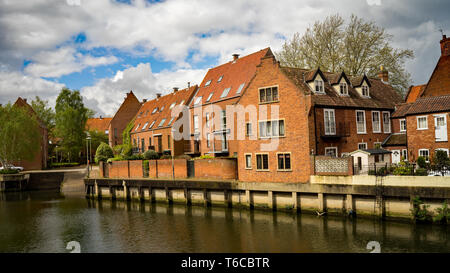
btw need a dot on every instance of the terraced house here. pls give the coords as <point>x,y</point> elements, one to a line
<point>152,129</point>
<point>303,112</point>
<point>213,127</point>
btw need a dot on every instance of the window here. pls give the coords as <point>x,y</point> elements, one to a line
<point>269,94</point>
<point>331,151</point>
<point>168,141</point>
<point>172,105</point>
<point>376,125</point>
<point>365,90</point>
<point>142,144</point>
<point>154,110</point>
<point>208,83</point>
<point>422,123</point>
<point>115,132</point>
<point>343,89</point>
<point>207,120</point>
<point>319,86</point>
<point>220,79</point>
<point>145,126</point>
<point>271,128</point>
<point>248,129</point>
<point>137,127</point>
<point>262,162</point>
<point>208,140</point>
<point>162,122</point>
<point>106,132</point>
<point>362,146</point>
<point>425,153</point>
<point>386,122</point>
<point>196,124</point>
<point>210,96</point>
<point>379,158</point>
<point>224,142</point>
<point>224,119</point>
<point>403,125</point>
<point>330,124</point>
<point>171,120</point>
<point>240,88</point>
<point>248,161</point>
<point>377,145</point>
<point>360,122</point>
<point>284,161</point>
<point>405,154</point>
<point>151,125</point>
<point>198,100</point>
<point>225,92</point>
<point>442,149</point>
<point>162,108</point>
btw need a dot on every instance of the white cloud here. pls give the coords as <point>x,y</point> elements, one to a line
<point>107,94</point>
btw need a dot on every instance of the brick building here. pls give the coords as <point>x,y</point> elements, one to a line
<point>40,160</point>
<point>302,112</point>
<point>99,124</point>
<point>154,121</point>
<point>422,119</point>
<point>212,125</point>
<point>123,116</point>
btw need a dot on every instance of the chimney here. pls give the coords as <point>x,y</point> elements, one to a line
<point>445,46</point>
<point>144,100</point>
<point>189,84</point>
<point>175,89</point>
<point>235,57</point>
<point>383,74</point>
<point>158,95</point>
<point>101,117</point>
<point>25,100</point>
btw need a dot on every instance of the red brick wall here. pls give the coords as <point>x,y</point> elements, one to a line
<point>136,170</point>
<point>118,169</point>
<point>218,168</point>
<point>177,147</point>
<point>293,108</point>
<point>424,139</point>
<point>124,115</point>
<point>164,168</point>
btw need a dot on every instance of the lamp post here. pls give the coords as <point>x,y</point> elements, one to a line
<point>88,140</point>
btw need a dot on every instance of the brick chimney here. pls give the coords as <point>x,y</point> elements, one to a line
<point>144,100</point>
<point>25,100</point>
<point>235,57</point>
<point>175,89</point>
<point>445,46</point>
<point>158,95</point>
<point>189,84</point>
<point>101,117</point>
<point>383,74</point>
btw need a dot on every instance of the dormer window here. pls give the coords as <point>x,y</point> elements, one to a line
<point>210,96</point>
<point>154,110</point>
<point>181,103</point>
<point>220,79</point>
<point>365,90</point>
<point>319,86</point>
<point>137,127</point>
<point>151,125</point>
<point>145,126</point>
<point>207,83</point>
<point>162,108</point>
<point>225,92</point>
<point>343,88</point>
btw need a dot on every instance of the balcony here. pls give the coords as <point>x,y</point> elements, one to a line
<point>342,129</point>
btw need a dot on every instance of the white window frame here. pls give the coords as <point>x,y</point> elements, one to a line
<point>443,149</point>
<point>428,151</point>
<point>364,116</point>
<point>362,143</point>
<point>320,84</point>
<point>331,148</point>
<point>196,124</point>
<point>379,122</point>
<point>207,83</point>
<point>151,125</point>
<point>368,91</point>
<point>162,123</point>
<point>389,122</point>
<point>404,153</point>
<point>240,88</point>
<point>402,128</point>
<point>225,92</point>
<point>271,134</point>
<point>332,129</point>
<point>198,100</point>
<point>426,123</point>
<point>248,167</point>
<point>210,96</point>
<point>343,86</point>
<point>265,94</point>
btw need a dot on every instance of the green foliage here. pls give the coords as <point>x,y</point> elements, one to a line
<point>187,157</point>
<point>440,158</point>
<point>421,172</point>
<point>19,135</point>
<point>70,122</point>
<point>145,168</point>
<point>150,154</point>
<point>421,162</point>
<point>115,158</point>
<point>357,47</point>
<point>45,113</point>
<point>442,214</point>
<point>103,153</point>
<point>205,157</point>
<point>126,134</point>
<point>97,137</point>
<point>420,211</point>
<point>403,169</point>
<point>166,157</point>
<point>64,164</point>
<point>9,171</point>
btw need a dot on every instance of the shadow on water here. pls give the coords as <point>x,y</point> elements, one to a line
<point>116,226</point>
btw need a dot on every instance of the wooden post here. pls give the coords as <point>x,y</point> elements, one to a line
<point>205,198</point>
<point>125,190</point>
<point>168,197</point>
<point>187,196</point>
<point>98,190</point>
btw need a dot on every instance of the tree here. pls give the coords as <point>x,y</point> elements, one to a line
<point>19,135</point>
<point>70,122</point>
<point>97,137</point>
<point>45,113</point>
<point>356,48</point>
<point>103,153</point>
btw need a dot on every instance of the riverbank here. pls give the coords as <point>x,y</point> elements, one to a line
<point>354,195</point>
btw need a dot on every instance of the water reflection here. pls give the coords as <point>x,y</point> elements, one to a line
<point>46,222</point>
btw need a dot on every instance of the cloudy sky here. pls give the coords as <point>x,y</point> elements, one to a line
<point>105,48</point>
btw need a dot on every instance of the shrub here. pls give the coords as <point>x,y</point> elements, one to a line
<point>205,157</point>
<point>420,211</point>
<point>116,158</point>
<point>64,164</point>
<point>103,153</point>
<point>187,157</point>
<point>166,157</point>
<point>150,154</point>
<point>127,150</point>
<point>145,168</point>
<point>134,157</point>
<point>440,158</point>
<point>421,172</point>
<point>421,162</point>
<point>8,171</point>
<point>403,168</point>
<point>442,214</point>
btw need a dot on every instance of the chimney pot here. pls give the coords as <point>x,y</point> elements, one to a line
<point>383,74</point>
<point>101,117</point>
<point>235,57</point>
<point>144,100</point>
<point>445,46</point>
<point>158,95</point>
<point>175,89</point>
<point>189,84</point>
<point>25,100</point>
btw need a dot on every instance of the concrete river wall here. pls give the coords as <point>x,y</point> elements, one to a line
<point>361,195</point>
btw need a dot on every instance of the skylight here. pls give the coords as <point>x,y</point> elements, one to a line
<point>208,83</point>
<point>181,103</point>
<point>209,97</point>
<point>137,127</point>
<point>225,92</point>
<point>154,110</point>
<point>162,122</point>
<point>162,108</point>
<point>240,88</point>
<point>170,122</point>
<point>145,126</point>
<point>151,125</point>
<point>172,105</point>
<point>220,79</point>
<point>198,100</point>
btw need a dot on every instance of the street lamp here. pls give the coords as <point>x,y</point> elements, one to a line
<point>88,155</point>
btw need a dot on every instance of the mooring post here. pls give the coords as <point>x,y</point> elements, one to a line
<point>248,198</point>
<point>98,190</point>
<point>349,204</point>
<point>205,198</point>
<point>270,200</point>
<point>294,201</point>
<point>321,202</point>
<point>227,198</point>
<point>150,194</point>
<point>125,190</point>
<point>141,194</point>
<point>187,196</point>
<point>168,197</point>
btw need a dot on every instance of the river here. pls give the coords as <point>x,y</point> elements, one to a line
<point>46,222</point>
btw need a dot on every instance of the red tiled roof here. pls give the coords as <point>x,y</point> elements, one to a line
<point>430,105</point>
<point>401,109</point>
<point>414,92</point>
<point>233,73</point>
<point>381,95</point>
<point>99,124</point>
<point>129,98</point>
<point>145,115</point>
<point>439,83</point>
<point>395,140</point>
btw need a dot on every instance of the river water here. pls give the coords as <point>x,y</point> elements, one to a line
<point>46,222</point>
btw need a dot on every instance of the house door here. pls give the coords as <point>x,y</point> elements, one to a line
<point>396,156</point>
<point>440,125</point>
<point>160,149</point>
<point>359,163</point>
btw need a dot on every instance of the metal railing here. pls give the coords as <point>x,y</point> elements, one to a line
<point>412,169</point>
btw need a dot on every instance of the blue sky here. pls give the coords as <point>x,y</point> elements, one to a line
<point>105,48</point>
